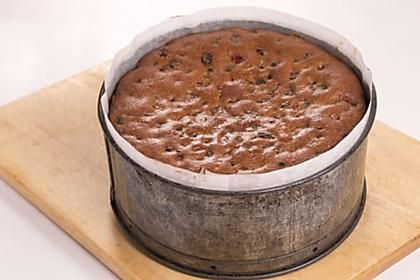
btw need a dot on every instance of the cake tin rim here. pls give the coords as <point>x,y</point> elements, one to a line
<point>326,169</point>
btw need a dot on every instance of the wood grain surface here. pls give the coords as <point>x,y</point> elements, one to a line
<point>52,152</point>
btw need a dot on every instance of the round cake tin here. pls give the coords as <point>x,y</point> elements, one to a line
<point>233,226</point>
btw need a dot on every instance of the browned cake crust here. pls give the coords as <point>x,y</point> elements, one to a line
<point>237,101</point>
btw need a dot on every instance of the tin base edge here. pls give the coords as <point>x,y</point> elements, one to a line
<point>123,221</point>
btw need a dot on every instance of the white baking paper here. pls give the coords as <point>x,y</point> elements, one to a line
<point>213,19</point>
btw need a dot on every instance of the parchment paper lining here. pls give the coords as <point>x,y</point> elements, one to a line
<point>213,19</point>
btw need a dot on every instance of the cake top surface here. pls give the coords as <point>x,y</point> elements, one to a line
<point>237,101</point>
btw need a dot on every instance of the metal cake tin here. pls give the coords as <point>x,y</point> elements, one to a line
<point>250,233</point>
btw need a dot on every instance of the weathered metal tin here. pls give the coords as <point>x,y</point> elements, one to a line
<point>239,234</point>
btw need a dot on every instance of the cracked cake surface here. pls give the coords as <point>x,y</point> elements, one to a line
<point>237,101</point>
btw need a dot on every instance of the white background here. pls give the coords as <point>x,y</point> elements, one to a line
<point>44,41</point>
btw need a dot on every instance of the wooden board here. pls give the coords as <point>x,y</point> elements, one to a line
<point>52,152</point>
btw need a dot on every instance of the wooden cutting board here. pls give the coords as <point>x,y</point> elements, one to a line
<point>52,152</point>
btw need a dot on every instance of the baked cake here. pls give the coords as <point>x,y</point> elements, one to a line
<point>237,101</point>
